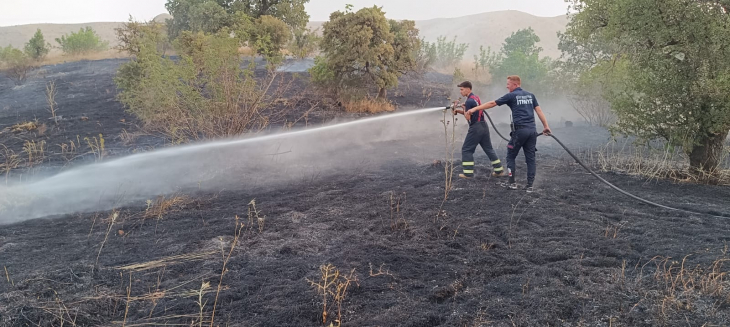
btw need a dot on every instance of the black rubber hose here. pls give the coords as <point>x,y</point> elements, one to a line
<point>495,127</point>
<point>609,183</point>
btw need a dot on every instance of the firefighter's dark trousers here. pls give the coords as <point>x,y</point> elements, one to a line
<point>524,138</point>
<point>478,135</point>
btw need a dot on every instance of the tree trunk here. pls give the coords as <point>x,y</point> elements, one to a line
<point>382,93</point>
<point>707,154</point>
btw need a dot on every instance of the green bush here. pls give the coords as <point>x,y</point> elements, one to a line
<point>449,53</point>
<point>82,42</point>
<point>204,94</point>
<point>132,36</point>
<point>365,49</point>
<point>482,62</point>
<point>37,48</point>
<point>520,55</point>
<point>304,43</point>
<point>268,36</point>
<point>321,73</point>
<point>210,16</point>
<point>15,64</point>
<point>425,56</point>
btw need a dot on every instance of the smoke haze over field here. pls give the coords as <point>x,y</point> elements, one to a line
<point>264,161</point>
<point>250,163</point>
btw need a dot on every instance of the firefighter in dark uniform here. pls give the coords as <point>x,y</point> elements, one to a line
<point>524,135</point>
<point>478,135</point>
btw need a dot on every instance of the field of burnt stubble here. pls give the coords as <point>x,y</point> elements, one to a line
<point>366,242</point>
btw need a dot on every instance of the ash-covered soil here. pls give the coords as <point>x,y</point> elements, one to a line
<point>574,253</point>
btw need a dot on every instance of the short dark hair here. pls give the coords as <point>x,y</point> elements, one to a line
<point>465,84</point>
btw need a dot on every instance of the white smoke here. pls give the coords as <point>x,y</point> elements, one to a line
<point>241,163</point>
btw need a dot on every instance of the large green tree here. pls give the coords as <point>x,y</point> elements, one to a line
<point>292,12</point>
<point>677,76</point>
<point>210,16</point>
<point>365,46</point>
<point>520,55</point>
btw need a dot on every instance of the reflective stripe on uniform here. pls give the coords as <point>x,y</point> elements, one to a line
<point>498,169</point>
<point>496,162</point>
<point>468,163</point>
<point>468,171</point>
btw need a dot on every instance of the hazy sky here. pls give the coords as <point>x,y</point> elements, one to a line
<point>17,12</point>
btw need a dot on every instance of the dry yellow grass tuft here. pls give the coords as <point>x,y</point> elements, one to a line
<point>163,262</point>
<point>59,58</point>
<point>397,218</point>
<point>681,285</point>
<point>26,126</point>
<point>654,164</point>
<point>333,286</point>
<point>36,151</point>
<point>9,161</point>
<point>368,106</point>
<point>246,51</point>
<point>163,205</point>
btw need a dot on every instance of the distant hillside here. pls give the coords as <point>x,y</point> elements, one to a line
<point>18,35</point>
<point>490,29</point>
<point>487,29</point>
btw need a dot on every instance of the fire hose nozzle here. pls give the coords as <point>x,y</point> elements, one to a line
<point>453,105</point>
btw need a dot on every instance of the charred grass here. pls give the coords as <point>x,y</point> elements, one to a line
<point>357,250</point>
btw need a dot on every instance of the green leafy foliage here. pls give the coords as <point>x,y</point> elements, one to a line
<point>132,35</point>
<point>482,62</point>
<point>268,36</point>
<point>211,16</point>
<point>241,26</point>
<point>425,55</point>
<point>16,64</point>
<point>520,56</point>
<point>449,53</point>
<point>672,57</point>
<point>37,48</point>
<point>82,42</point>
<point>292,12</point>
<point>322,74</point>
<point>364,48</point>
<point>457,77</point>
<point>262,25</point>
<point>206,93</point>
<point>405,42</point>
<point>304,43</point>
<point>207,17</point>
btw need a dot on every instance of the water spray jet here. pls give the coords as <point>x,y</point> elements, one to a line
<point>221,164</point>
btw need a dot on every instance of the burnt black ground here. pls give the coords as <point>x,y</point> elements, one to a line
<point>492,257</point>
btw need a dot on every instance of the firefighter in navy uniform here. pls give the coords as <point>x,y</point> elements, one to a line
<point>478,135</point>
<point>524,135</point>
